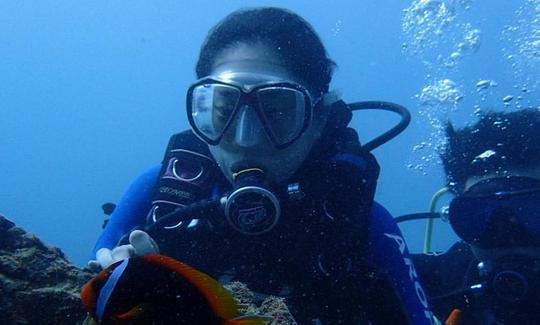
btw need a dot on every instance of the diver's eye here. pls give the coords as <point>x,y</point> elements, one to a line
<point>224,103</point>
<point>275,115</point>
<point>222,113</point>
<point>273,109</point>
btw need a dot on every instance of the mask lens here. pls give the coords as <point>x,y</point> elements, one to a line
<point>527,210</point>
<point>469,217</point>
<point>212,106</point>
<point>284,111</point>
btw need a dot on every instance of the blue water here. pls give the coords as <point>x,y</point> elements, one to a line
<point>91,91</point>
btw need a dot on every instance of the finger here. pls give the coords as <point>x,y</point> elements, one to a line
<point>122,252</point>
<point>143,243</point>
<point>104,257</point>
<point>94,265</point>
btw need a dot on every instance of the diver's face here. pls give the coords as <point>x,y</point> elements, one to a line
<point>529,251</point>
<point>245,144</point>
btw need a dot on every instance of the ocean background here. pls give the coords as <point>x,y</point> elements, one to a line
<point>90,92</point>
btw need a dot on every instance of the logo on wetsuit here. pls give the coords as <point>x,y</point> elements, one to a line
<point>420,294</point>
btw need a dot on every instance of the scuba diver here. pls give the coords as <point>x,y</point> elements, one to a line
<point>492,276</point>
<point>108,209</point>
<point>270,187</point>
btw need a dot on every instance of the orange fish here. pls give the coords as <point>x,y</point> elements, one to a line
<point>455,318</point>
<point>155,289</point>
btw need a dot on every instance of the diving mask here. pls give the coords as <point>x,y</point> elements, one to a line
<point>513,201</point>
<point>244,102</point>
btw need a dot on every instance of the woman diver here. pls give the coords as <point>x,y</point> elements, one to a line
<point>270,187</point>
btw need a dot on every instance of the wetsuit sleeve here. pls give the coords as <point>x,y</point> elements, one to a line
<point>390,256</point>
<point>130,211</point>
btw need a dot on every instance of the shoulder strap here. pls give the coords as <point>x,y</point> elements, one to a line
<point>340,179</point>
<point>342,176</point>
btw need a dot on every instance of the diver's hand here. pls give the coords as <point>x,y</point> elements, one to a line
<point>143,243</point>
<point>140,243</point>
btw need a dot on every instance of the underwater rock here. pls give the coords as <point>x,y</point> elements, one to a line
<point>38,285</point>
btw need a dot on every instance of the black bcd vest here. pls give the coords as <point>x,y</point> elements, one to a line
<point>318,247</point>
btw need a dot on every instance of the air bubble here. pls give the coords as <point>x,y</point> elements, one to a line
<point>485,84</point>
<point>442,92</point>
<point>508,99</point>
<point>484,156</point>
<point>337,27</point>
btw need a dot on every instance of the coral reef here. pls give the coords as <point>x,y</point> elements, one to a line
<point>276,308</point>
<point>38,285</point>
<point>272,307</point>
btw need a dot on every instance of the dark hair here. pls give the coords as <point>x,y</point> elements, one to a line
<point>498,141</point>
<point>292,37</point>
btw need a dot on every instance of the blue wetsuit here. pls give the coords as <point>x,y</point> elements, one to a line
<point>386,248</point>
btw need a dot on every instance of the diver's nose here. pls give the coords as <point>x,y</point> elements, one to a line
<point>248,131</point>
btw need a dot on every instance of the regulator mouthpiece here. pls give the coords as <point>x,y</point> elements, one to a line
<point>251,208</point>
<point>512,281</point>
<point>510,286</point>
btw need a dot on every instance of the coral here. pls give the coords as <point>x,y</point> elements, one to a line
<point>244,297</point>
<point>37,284</point>
<point>276,308</point>
<point>240,292</point>
<point>272,307</point>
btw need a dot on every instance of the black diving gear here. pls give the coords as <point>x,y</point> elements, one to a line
<point>511,288</point>
<point>418,216</point>
<point>506,292</point>
<point>251,208</point>
<point>259,210</point>
<point>510,279</point>
<point>317,254</point>
<point>283,108</point>
<point>108,209</point>
<point>501,215</point>
<point>499,212</point>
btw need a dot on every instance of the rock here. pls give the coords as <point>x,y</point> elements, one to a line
<point>38,285</point>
